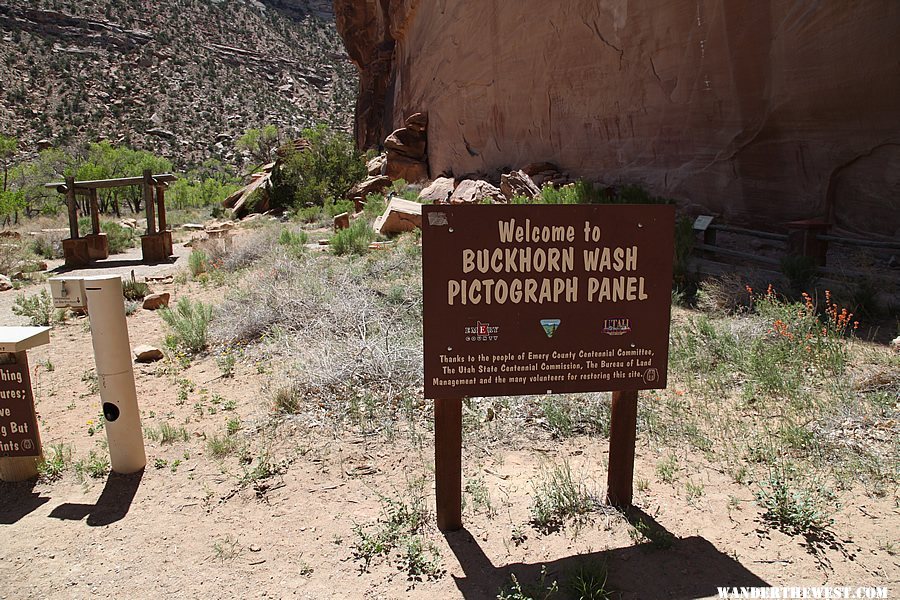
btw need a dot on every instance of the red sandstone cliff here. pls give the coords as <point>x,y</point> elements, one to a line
<point>763,110</point>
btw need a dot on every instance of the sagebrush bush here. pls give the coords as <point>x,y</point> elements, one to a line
<point>198,262</point>
<point>334,326</point>
<point>294,241</point>
<point>16,256</point>
<point>120,238</point>
<point>189,322</point>
<point>48,245</point>
<point>38,308</point>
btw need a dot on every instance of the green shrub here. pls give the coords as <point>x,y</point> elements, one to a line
<point>198,262</point>
<point>134,290</point>
<point>47,247</point>
<point>295,241</point>
<point>336,207</point>
<point>353,240</point>
<point>791,504</point>
<point>94,466</point>
<point>559,496</point>
<point>51,469</point>
<point>120,238</point>
<point>328,169</point>
<point>38,308</point>
<point>375,205</point>
<point>189,322</point>
<point>309,214</point>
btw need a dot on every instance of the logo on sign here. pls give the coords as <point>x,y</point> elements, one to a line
<point>616,326</point>
<point>550,326</point>
<point>482,332</point>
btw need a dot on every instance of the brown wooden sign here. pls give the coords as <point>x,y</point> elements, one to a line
<point>525,299</point>
<point>18,423</point>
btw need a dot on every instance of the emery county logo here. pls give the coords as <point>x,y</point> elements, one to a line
<point>616,326</point>
<point>482,332</point>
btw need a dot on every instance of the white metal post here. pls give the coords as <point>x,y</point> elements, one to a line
<point>112,355</point>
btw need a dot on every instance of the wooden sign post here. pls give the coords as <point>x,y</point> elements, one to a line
<point>448,463</point>
<point>622,434</point>
<point>525,299</point>
<point>20,440</point>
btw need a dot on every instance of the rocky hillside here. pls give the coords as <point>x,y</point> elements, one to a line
<point>182,78</point>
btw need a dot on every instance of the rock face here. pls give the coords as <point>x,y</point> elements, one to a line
<point>764,111</point>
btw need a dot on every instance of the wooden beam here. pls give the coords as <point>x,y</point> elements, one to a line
<point>95,212</point>
<point>161,206</point>
<point>148,201</point>
<point>72,207</point>
<point>111,183</point>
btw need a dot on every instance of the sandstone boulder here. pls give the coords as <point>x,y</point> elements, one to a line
<point>155,301</point>
<point>532,169</point>
<point>518,183</point>
<point>417,122</point>
<point>474,191</point>
<point>147,354</point>
<point>372,185</point>
<point>399,216</point>
<point>341,221</point>
<point>406,142</point>
<point>5,283</point>
<point>408,169</point>
<point>375,166</point>
<point>437,191</point>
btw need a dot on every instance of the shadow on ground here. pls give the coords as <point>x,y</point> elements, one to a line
<point>662,567</point>
<point>112,505</point>
<point>18,500</point>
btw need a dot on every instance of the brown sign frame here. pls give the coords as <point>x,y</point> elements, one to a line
<point>593,289</point>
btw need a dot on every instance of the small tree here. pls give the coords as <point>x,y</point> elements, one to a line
<point>327,170</point>
<point>261,143</point>
<point>8,148</point>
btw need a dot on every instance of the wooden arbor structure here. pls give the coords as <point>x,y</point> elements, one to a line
<point>156,243</point>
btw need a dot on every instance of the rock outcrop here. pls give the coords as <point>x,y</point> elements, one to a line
<point>406,148</point>
<point>763,111</point>
<point>475,191</point>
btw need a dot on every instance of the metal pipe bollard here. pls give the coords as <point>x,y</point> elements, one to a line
<point>112,355</point>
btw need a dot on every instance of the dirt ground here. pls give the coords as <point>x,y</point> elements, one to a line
<point>189,527</point>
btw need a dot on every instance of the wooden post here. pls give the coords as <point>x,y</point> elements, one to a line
<point>21,468</point>
<point>448,463</point>
<point>148,201</point>
<point>72,205</point>
<point>622,433</point>
<point>161,206</point>
<point>95,211</point>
